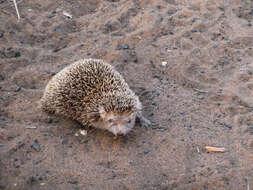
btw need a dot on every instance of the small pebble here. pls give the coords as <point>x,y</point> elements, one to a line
<point>164,63</point>
<point>151,114</point>
<point>67,14</point>
<point>52,14</point>
<point>17,89</point>
<point>36,145</point>
<point>20,144</point>
<point>83,132</point>
<point>73,181</point>
<point>50,120</point>
<point>170,12</point>
<point>125,46</point>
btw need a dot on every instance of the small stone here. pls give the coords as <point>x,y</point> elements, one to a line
<point>151,114</point>
<point>125,46</point>
<point>194,19</point>
<point>153,103</point>
<point>52,14</point>
<point>194,30</point>
<point>83,132</point>
<point>20,144</point>
<point>1,77</point>
<point>67,14</point>
<point>227,125</point>
<point>170,12</point>
<point>146,151</point>
<point>50,120</point>
<point>164,63</point>
<point>136,60</point>
<point>73,181</point>
<point>17,89</point>
<point>189,128</point>
<point>36,145</point>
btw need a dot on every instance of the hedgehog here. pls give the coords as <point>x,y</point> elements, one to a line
<point>93,93</point>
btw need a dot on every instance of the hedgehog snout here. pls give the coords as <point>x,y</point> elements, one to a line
<point>121,130</point>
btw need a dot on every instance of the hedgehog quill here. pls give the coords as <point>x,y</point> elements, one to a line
<point>92,92</point>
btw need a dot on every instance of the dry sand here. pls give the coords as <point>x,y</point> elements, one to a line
<point>190,61</point>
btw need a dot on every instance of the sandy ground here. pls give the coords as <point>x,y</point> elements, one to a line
<point>190,61</point>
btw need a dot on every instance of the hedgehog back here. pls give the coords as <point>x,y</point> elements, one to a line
<point>81,84</point>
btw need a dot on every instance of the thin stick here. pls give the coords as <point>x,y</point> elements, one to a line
<point>201,91</point>
<point>31,127</point>
<point>16,7</point>
<point>214,149</point>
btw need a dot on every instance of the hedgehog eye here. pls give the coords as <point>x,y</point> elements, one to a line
<point>129,121</point>
<point>110,120</point>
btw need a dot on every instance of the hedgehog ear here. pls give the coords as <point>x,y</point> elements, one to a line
<point>102,112</point>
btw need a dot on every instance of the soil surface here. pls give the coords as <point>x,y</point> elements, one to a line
<point>189,61</point>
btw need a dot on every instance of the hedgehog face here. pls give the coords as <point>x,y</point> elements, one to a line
<point>118,123</point>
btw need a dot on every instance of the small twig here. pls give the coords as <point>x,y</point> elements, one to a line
<point>248,186</point>
<point>16,7</point>
<point>201,91</point>
<point>214,149</point>
<point>31,127</point>
<point>198,149</point>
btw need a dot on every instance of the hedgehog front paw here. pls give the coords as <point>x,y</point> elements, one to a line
<point>143,121</point>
